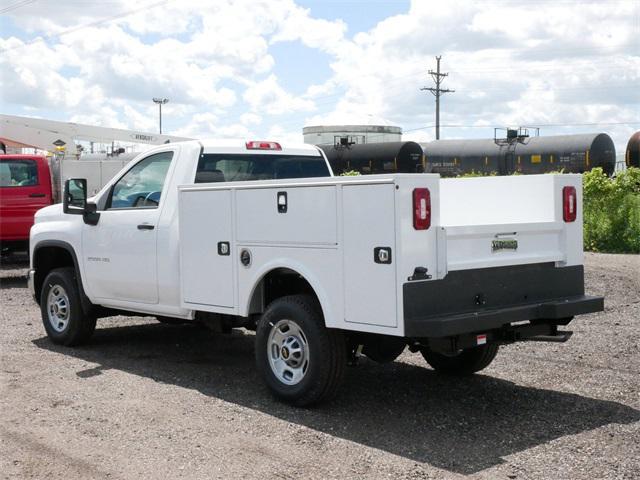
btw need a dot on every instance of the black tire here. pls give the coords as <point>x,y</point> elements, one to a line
<point>73,327</point>
<point>466,362</point>
<point>326,351</point>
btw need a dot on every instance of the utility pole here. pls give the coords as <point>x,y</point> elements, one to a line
<point>437,91</point>
<point>160,102</point>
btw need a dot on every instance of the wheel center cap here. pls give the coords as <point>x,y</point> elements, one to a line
<point>284,352</point>
<point>55,308</point>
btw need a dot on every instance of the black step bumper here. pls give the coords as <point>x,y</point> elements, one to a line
<point>469,301</point>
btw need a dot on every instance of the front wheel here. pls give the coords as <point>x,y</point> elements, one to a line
<point>465,362</point>
<point>62,315</point>
<point>301,360</point>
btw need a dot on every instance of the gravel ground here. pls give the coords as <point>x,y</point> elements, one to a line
<point>145,400</point>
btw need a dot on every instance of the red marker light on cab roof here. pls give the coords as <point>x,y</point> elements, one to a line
<point>569,204</point>
<point>262,145</point>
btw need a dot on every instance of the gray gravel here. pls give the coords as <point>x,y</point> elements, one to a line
<point>146,400</point>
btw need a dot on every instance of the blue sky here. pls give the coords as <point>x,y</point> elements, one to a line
<point>266,68</point>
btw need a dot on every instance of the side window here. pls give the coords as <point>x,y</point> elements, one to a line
<point>18,173</point>
<point>141,186</point>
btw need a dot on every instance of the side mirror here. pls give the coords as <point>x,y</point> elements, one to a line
<point>91,214</point>
<point>74,198</point>
<point>74,201</point>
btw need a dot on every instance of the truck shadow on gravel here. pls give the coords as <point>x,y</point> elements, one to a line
<point>13,271</point>
<point>463,426</point>
<point>13,282</point>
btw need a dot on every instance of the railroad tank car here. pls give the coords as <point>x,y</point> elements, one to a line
<point>371,158</point>
<point>569,153</point>
<point>455,157</point>
<point>632,155</point>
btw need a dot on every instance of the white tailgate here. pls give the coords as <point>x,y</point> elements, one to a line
<point>310,216</point>
<point>471,246</point>
<point>207,275</point>
<point>480,216</point>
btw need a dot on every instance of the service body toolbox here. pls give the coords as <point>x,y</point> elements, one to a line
<point>403,255</point>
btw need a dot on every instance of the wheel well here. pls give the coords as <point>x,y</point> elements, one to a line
<point>278,283</point>
<point>46,259</point>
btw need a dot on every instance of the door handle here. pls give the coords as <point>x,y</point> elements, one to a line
<point>37,195</point>
<point>145,226</point>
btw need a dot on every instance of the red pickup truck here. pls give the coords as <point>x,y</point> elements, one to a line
<point>25,187</point>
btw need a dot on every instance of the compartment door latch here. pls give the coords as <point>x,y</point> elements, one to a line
<point>382,255</point>
<point>282,202</point>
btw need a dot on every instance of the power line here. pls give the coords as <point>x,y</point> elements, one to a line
<point>437,91</point>
<point>595,124</point>
<point>322,108</point>
<point>399,79</point>
<point>87,25</point>
<point>15,6</point>
<point>606,124</point>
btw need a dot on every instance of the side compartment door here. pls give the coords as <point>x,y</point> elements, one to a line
<point>368,225</point>
<point>206,249</point>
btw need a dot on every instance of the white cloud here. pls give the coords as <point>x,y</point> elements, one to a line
<point>285,135</point>
<point>250,119</point>
<point>554,64</point>
<point>268,96</point>
<point>209,125</point>
<point>297,24</point>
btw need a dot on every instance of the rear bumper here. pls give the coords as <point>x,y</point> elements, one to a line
<point>479,300</point>
<point>490,319</point>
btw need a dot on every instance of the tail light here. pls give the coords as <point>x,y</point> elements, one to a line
<point>569,204</point>
<point>254,145</point>
<point>421,209</point>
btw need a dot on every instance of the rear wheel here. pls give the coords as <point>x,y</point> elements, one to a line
<point>466,362</point>
<point>301,361</point>
<point>62,315</point>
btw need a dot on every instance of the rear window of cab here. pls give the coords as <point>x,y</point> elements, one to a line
<point>245,167</point>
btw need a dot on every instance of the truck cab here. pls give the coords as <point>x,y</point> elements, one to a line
<point>25,187</point>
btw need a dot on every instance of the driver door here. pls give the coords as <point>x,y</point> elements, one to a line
<point>120,251</point>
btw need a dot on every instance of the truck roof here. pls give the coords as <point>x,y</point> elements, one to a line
<point>22,156</point>
<point>241,146</point>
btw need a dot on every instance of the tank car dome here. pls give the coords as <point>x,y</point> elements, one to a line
<point>353,119</point>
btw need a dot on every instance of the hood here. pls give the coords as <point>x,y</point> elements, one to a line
<point>48,213</point>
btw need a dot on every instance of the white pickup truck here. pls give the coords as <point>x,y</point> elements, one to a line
<point>325,269</point>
